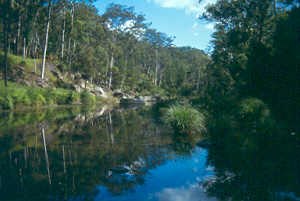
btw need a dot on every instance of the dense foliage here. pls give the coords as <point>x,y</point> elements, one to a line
<point>117,49</point>
<point>256,53</point>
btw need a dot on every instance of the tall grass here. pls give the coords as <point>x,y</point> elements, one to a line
<point>185,119</point>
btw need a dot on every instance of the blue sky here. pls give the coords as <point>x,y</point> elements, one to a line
<point>174,17</point>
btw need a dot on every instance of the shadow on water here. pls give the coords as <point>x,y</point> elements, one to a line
<point>254,160</point>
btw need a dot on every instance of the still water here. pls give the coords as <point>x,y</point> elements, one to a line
<point>104,154</point>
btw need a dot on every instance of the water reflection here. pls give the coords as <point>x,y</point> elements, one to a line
<point>178,178</point>
<point>93,154</point>
<point>192,193</point>
<point>127,155</point>
<point>254,161</point>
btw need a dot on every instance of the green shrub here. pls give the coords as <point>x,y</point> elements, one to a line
<point>23,101</point>
<point>40,100</point>
<point>73,98</point>
<point>60,96</point>
<point>6,102</point>
<point>37,97</point>
<point>253,109</point>
<point>185,119</point>
<point>87,98</point>
<point>20,96</point>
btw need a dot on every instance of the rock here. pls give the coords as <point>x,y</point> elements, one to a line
<point>42,83</point>
<point>148,98</point>
<point>118,93</point>
<point>26,83</point>
<point>58,75</point>
<point>99,91</point>
<point>82,84</point>
<point>77,88</point>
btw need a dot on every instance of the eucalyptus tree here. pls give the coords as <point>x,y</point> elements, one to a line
<point>124,24</point>
<point>89,33</point>
<point>49,11</point>
<point>157,40</point>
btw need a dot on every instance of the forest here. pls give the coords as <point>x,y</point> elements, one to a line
<point>102,106</point>
<point>116,51</point>
<point>256,54</point>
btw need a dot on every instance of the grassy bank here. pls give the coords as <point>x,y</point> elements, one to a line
<point>16,96</point>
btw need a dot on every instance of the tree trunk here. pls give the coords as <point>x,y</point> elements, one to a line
<point>70,54</point>
<point>111,134</point>
<point>35,51</point>
<point>24,49</point>
<point>64,158</point>
<point>18,36</point>
<point>110,70</point>
<point>156,67</point>
<point>107,69</point>
<point>46,40</point>
<point>46,155</point>
<point>63,34</point>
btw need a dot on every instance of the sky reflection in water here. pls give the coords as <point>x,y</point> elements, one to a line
<point>176,180</point>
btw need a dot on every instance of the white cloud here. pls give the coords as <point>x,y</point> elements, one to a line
<point>210,26</point>
<point>191,193</point>
<point>190,6</point>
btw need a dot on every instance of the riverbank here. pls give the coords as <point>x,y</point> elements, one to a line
<point>18,97</point>
<point>26,89</point>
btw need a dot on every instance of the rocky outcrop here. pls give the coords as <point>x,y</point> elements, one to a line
<point>131,99</point>
<point>84,85</point>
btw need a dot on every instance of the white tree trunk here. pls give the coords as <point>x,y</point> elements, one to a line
<point>24,48</point>
<point>46,155</point>
<point>46,40</point>
<point>70,53</point>
<point>112,138</point>
<point>63,35</point>
<point>110,71</point>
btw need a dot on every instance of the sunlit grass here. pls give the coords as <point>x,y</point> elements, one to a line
<point>18,96</point>
<point>185,119</point>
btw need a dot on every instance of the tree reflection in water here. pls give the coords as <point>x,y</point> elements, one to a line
<point>254,161</point>
<point>91,154</point>
<point>65,153</point>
